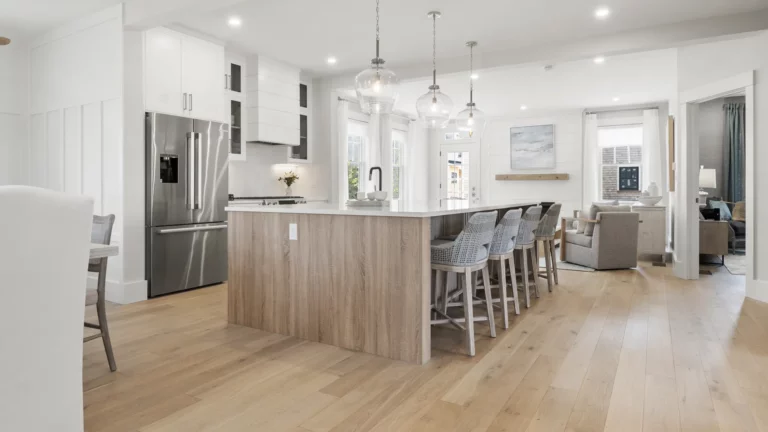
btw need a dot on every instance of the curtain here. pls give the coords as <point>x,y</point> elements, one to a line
<point>735,151</point>
<point>652,151</point>
<point>342,118</point>
<point>591,172</point>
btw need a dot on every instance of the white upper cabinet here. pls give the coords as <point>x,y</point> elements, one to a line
<point>182,76</point>
<point>272,102</point>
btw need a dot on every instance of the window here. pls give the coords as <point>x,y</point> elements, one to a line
<point>399,139</point>
<point>621,158</point>
<point>357,138</point>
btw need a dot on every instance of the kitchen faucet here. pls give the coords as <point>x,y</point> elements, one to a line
<point>370,176</point>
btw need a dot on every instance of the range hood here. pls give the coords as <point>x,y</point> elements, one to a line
<point>272,102</point>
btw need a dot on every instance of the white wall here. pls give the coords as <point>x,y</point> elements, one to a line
<point>707,63</point>
<point>568,159</point>
<point>76,119</point>
<point>13,113</point>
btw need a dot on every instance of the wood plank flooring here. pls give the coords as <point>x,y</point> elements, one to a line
<point>635,350</point>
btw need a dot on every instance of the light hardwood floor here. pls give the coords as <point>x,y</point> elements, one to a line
<point>614,351</point>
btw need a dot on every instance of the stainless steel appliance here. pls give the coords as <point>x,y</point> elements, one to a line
<point>267,200</point>
<point>187,182</point>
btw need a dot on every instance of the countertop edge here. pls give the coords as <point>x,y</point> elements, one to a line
<point>297,209</point>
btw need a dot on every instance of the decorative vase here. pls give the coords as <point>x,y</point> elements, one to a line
<point>653,189</point>
<point>288,191</point>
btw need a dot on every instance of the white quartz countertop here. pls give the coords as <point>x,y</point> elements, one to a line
<point>395,208</point>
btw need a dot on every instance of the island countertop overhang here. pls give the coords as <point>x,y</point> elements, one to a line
<point>418,209</point>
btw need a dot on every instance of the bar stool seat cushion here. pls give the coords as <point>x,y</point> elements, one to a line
<point>482,251</point>
<point>573,237</point>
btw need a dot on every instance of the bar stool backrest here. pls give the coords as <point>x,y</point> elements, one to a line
<point>548,224</point>
<point>477,233</point>
<point>505,232</point>
<point>528,224</point>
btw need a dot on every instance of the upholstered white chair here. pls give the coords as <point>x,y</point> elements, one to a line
<point>44,251</point>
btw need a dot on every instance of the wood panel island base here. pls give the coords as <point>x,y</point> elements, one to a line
<point>357,279</point>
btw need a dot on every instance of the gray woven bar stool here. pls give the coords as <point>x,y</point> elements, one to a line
<point>503,251</point>
<point>525,242</point>
<point>101,233</point>
<point>545,233</point>
<point>465,255</point>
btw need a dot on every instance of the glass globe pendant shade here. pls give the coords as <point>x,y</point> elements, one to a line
<point>434,108</point>
<point>376,88</point>
<point>470,120</point>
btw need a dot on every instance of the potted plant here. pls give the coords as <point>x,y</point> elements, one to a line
<point>288,178</point>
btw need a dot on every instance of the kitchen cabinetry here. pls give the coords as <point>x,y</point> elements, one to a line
<point>652,235</point>
<point>235,90</point>
<point>182,75</point>
<point>301,153</point>
<point>272,102</point>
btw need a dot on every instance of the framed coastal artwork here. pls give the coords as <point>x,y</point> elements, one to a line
<point>532,147</point>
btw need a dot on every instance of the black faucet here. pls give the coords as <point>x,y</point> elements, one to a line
<point>370,176</point>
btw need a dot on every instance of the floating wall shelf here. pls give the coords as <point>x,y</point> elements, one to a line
<point>518,177</point>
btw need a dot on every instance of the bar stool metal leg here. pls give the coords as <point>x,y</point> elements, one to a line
<point>489,301</point>
<point>502,272</point>
<point>514,283</point>
<point>554,259</point>
<point>469,319</point>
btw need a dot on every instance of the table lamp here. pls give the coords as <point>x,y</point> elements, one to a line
<point>707,180</point>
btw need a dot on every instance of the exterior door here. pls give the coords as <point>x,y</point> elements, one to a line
<point>460,172</point>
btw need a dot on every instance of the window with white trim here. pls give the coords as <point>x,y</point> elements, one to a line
<point>399,143</point>
<point>357,149</point>
<point>621,161</point>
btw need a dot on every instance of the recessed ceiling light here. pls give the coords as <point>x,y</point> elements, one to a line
<point>602,13</point>
<point>616,99</point>
<point>599,60</point>
<point>474,76</point>
<point>331,60</point>
<point>523,107</point>
<point>235,22</point>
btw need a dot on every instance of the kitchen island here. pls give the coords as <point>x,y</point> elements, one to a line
<point>355,277</point>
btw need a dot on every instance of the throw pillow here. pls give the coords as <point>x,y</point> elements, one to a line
<point>725,212</point>
<point>595,209</point>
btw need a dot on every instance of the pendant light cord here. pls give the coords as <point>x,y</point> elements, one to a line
<point>471,72</point>
<point>434,50</point>
<point>377,30</point>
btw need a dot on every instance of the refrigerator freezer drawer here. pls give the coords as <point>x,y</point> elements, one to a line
<point>186,256</point>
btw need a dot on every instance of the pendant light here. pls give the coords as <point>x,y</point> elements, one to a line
<point>434,107</point>
<point>376,86</point>
<point>471,119</point>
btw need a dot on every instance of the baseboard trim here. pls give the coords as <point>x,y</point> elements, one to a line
<point>122,293</point>
<point>757,290</point>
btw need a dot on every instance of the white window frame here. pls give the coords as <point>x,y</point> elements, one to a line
<point>600,163</point>
<point>398,129</point>
<point>361,121</point>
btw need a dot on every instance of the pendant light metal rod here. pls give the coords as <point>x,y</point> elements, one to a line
<point>434,15</point>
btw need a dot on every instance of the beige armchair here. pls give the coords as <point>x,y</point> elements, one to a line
<point>612,245</point>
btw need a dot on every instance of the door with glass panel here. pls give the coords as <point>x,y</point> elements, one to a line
<point>460,174</point>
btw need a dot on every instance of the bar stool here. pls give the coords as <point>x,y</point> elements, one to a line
<point>545,233</point>
<point>503,250</point>
<point>465,255</point>
<point>525,241</point>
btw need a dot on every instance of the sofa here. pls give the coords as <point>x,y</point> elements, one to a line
<point>605,240</point>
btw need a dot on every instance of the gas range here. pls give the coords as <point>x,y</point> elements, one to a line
<point>268,200</point>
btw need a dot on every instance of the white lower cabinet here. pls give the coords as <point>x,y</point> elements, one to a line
<point>652,235</point>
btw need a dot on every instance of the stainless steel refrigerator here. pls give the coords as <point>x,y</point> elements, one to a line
<point>187,185</point>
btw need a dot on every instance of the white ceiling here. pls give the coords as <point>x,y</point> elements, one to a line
<point>634,78</point>
<point>305,32</point>
<point>19,18</point>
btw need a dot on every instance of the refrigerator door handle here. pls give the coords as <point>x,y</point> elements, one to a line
<point>198,173</point>
<point>191,169</point>
<point>192,229</point>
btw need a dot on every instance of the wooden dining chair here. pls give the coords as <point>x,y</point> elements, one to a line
<point>101,233</point>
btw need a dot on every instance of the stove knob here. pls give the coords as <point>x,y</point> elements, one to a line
<point>264,202</point>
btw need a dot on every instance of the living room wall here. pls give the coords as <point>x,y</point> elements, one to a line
<point>568,159</point>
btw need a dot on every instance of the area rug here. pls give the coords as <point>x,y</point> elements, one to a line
<point>566,266</point>
<point>736,264</point>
